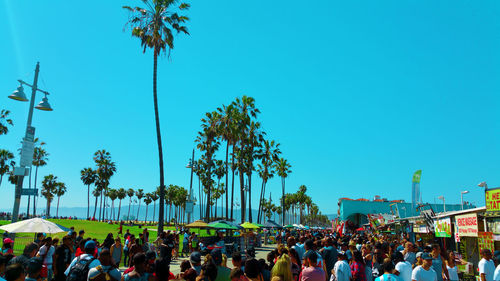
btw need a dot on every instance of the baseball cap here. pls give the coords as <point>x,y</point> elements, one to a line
<point>426,256</point>
<point>81,232</point>
<point>195,257</point>
<point>8,241</point>
<point>90,244</point>
<point>217,256</point>
<point>419,254</point>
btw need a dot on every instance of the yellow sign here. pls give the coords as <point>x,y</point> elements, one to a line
<point>493,200</point>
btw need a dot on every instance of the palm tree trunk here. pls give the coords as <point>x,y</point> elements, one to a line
<point>57,210</point>
<point>119,209</point>
<point>158,138</point>
<point>34,197</point>
<point>250,196</point>
<point>200,195</point>
<point>242,194</point>
<point>48,208</point>
<point>232,184</point>
<point>283,198</point>
<point>88,200</point>
<point>129,204</point>
<point>146,218</point>
<point>154,210</point>
<point>95,206</point>
<point>259,215</point>
<point>1,177</point>
<point>138,209</point>
<point>227,180</point>
<point>209,173</point>
<point>100,208</point>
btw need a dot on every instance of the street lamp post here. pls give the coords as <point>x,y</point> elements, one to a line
<point>462,197</point>
<point>190,196</point>
<point>28,140</point>
<point>444,205</point>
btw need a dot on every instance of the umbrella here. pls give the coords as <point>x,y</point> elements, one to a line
<point>223,225</point>
<point>198,223</point>
<point>32,226</point>
<point>288,226</point>
<point>360,229</point>
<point>272,224</point>
<point>249,225</point>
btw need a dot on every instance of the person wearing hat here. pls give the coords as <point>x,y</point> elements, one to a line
<point>89,248</point>
<point>223,273</point>
<point>195,260</point>
<point>486,266</point>
<point>424,272</point>
<point>8,245</point>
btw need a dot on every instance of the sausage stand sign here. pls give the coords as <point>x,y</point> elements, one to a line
<point>466,225</point>
<point>492,197</point>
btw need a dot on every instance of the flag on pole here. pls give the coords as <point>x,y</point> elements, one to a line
<point>415,189</point>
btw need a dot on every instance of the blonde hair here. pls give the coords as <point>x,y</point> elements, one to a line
<point>283,268</point>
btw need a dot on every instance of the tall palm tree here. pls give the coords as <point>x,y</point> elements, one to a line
<point>121,194</point>
<point>5,162</point>
<point>147,201</point>
<point>283,169</point>
<point>60,191</point>
<point>269,153</point>
<point>153,25</point>
<point>40,158</point>
<point>105,170</point>
<point>5,121</point>
<point>96,193</point>
<point>112,194</point>
<point>139,194</point>
<point>130,194</point>
<point>49,185</point>
<point>88,177</point>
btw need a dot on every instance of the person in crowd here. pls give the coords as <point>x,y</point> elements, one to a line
<point>237,261</point>
<point>108,242</point>
<point>438,262</point>
<point>208,272</point>
<point>195,260</point>
<point>222,272</point>
<point>451,265</point>
<point>424,272</point>
<point>312,272</point>
<point>253,270</point>
<point>329,254</point>
<point>139,273</point>
<point>388,267</point>
<point>62,258</point>
<point>496,275</point>
<point>126,248</point>
<point>341,270</point>
<point>84,259</point>
<point>282,269</point>
<point>162,271</point>
<point>486,266</point>
<point>296,264</point>
<point>81,234</point>
<point>134,249</point>
<point>358,266</point>
<point>402,267</point>
<point>409,254</point>
<point>3,265</point>
<point>29,251</point>
<point>39,238</point>
<point>106,270</point>
<point>117,251</point>
<point>15,272</point>
<point>33,269</point>
<point>47,253</point>
<point>237,275</point>
<point>8,246</point>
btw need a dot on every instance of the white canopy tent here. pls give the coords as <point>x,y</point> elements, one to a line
<point>35,225</point>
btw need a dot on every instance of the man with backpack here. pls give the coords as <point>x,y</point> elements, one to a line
<point>80,266</point>
<point>106,270</point>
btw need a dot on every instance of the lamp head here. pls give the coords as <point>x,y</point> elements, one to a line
<point>19,94</point>
<point>44,105</point>
<point>465,192</point>
<point>482,184</point>
<point>441,197</point>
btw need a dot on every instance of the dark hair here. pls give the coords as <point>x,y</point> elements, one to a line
<point>236,273</point>
<point>388,266</point>
<point>185,265</point>
<point>210,270</point>
<point>397,257</point>
<point>312,256</point>
<point>30,248</point>
<point>138,258</point>
<point>190,275</point>
<point>263,265</point>
<point>252,268</point>
<point>356,255</point>
<point>309,244</point>
<point>295,255</point>
<point>236,256</point>
<point>13,271</point>
<point>3,260</point>
<point>162,268</point>
<point>105,253</point>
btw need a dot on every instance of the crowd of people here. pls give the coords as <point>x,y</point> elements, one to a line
<point>312,255</point>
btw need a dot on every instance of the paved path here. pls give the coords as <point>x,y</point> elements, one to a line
<point>260,253</point>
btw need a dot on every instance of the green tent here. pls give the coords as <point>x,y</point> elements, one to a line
<point>249,225</point>
<point>222,225</point>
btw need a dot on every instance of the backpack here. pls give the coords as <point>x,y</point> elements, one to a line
<point>80,270</point>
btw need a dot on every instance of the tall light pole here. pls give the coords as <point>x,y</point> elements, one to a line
<point>190,196</point>
<point>444,205</point>
<point>29,137</point>
<point>462,197</point>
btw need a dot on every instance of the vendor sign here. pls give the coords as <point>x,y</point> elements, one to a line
<point>492,197</point>
<point>466,225</point>
<point>485,241</point>
<point>442,227</point>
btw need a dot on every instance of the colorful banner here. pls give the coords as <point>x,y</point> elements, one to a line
<point>466,225</point>
<point>485,241</point>
<point>415,189</point>
<point>492,197</point>
<point>442,227</point>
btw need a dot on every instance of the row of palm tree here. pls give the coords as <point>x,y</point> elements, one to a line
<point>247,150</point>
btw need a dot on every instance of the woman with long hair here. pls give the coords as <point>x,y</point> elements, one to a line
<point>282,269</point>
<point>438,263</point>
<point>358,267</point>
<point>451,265</point>
<point>296,264</point>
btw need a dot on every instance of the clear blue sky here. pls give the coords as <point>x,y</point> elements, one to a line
<point>359,93</point>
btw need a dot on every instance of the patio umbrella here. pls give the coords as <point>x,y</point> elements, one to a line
<point>34,225</point>
<point>223,225</point>
<point>288,226</point>
<point>198,224</point>
<point>249,225</point>
<point>272,224</point>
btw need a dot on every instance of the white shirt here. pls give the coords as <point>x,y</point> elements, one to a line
<point>404,269</point>
<point>342,271</point>
<point>488,268</point>
<point>453,273</point>
<point>496,276</point>
<point>93,264</point>
<point>420,274</point>
<point>48,255</point>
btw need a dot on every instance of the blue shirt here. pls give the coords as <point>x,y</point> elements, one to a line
<point>388,277</point>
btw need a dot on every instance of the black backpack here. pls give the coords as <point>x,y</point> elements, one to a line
<point>80,270</point>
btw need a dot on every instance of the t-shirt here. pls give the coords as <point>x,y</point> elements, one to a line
<point>223,273</point>
<point>410,257</point>
<point>48,255</point>
<point>404,269</point>
<point>63,257</point>
<point>388,277</point>
<point>330,257</point>
<point>488,268</point>
<point>313,274</point>
<point>496,276</point>
<point>300,250</point>
<point>113,272</point>
<point>342,271</point>
<point>420,274</point>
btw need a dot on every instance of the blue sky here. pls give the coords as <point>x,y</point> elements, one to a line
<point>360,94</point>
